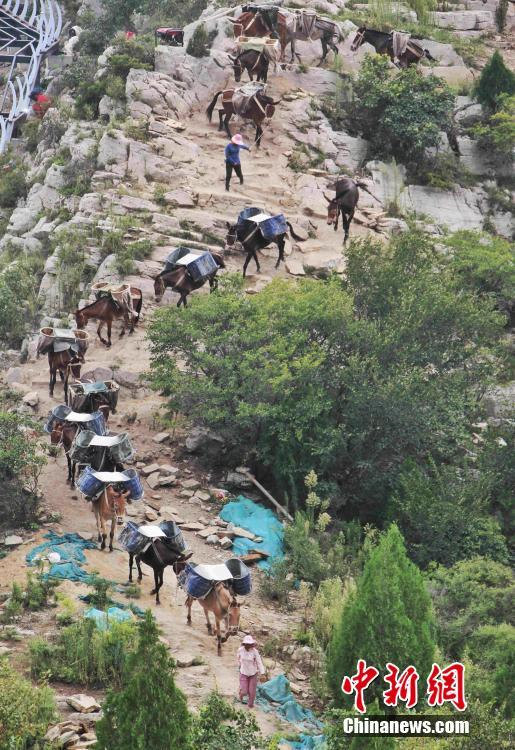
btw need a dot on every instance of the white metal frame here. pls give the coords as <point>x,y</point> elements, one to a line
<point>44,17</point>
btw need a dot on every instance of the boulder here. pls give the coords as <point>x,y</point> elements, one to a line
<point>99,373</point>
<point>110,108</point>
<point>161,437</point>
<point>454,75</point>
<point>127,379</point>
<point>456,209</point>
<point>84,704</point>
<point>190,484</point>
<point>150,514</point>
<point>180,198</point>
<point>295,267</point>
<point>202,440</point>
<point>184,660</point>
<point>464,20</point>
<point>499,402</point>
<point>14,375</point>
<point>445,54</point>
<point>31,399</point>
<point>467,112</point>
<point>113,151</point>
<point>13,540</point>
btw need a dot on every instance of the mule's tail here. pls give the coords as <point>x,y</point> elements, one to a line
<point>209,110</point>
<point>295,236</point>
<point>429,56</point>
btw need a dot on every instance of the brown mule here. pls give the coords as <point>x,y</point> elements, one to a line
<point>110,506</point>
<point>180,281</point>
<point>259,108</point>
<point>347,196</point>
<point>106,310</point>
<point>222,603</point>
<point>63,434</point>
<point>64,363</point>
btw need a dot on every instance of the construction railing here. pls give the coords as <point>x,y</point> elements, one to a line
<point>29,31</point>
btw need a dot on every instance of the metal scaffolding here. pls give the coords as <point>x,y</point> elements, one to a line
<point>29,31</point>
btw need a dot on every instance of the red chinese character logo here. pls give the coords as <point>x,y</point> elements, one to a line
<point>403,688</point>
<point>358,683</point>
<point>447,685</point>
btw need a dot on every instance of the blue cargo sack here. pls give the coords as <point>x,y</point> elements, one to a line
<point>202,267</point>
<point>273,227</point>
<point>174,256</point>
<point>247,213</point>
<point>57,414</point>
<point>241,582</point>
<point>131,540</point>
<point>88,484</point>
<point>194,585</point>
<point>134,484</point>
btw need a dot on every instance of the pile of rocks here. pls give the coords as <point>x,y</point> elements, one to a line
<point>77,730</point>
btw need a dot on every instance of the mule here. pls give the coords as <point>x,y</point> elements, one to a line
<point>158,557</point>
<point>382,42</point>
<point>260,107</point>
<point>64,363</point>
<point>344,205</point>
<point>328,32</point>
<point>253,62</point>
<point>250,23</point>
<point>64,433</point>
<point>179,280</point>
<point>223,605</point>
<point>254,241</point>
<point>110,506</point>
<point>106,310</point>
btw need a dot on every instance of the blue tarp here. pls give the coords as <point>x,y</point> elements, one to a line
<point>112,603</point>
<point>71,548</point>
<point>306,742</point>
<point>277,691</point>
<point>112,614</point>
<point>261,522</point>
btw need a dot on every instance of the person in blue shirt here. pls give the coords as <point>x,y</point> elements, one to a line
<point>232,159</point>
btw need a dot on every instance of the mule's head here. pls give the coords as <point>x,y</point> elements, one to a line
<point>358,39</point>
<point>56,436</point>
<point>76,363</point>
<point>159,288</point>
<point>80,319</point>
<point>234,617</point>
<point>116,500</point>
<point>180,564</point>
<point>232,234</point>
<point>237,67</point>
<point>332,210</point>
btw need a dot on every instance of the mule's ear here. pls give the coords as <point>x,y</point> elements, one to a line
<point>329,200</point>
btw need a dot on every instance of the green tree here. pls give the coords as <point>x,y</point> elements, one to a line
<point>149,711</point>
<point>495,79</point>
<point>388,619</point>
<point>497,133</point>
<point>488,729</point>
<point>467,596</point>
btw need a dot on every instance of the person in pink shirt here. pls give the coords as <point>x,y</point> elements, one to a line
<point>251,666</point>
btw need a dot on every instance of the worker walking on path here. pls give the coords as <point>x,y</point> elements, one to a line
<point>251,666</point>
<point>232,159</point>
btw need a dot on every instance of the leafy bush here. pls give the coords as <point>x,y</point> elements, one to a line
<point>25,711</point>
<point>327,607</point>
<point>87,99</point>
<point>13,183</point>
<point>495,80</point>
<point>219,726</point>
<point>84,654</point>
<point>467,596</point>
<point>19,298</point>
<point>277,582</point>
<point>402,116</point>
<point>497,134</point>
<point>492,650</point>
<point>442,515</point>
<point>133,717</point>
<point>72,266</point>
<point>200,43</point>
<point>500,15</point>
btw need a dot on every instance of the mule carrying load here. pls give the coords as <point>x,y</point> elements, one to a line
<point>136,539</point>
<point>254,220</point>
<point>91,483</point>
<point>199,580</point>
<point>171,37</point>
<point>88,397</point>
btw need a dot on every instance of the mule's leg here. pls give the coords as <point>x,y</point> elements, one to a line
<point>208,622</point>
<point>104,530</point>
<point>51,383</point>
<point>131,561</point>
<point>138,565</point>
<point>247,261</point>
<point>69,462</point>
<point>218,638</point>
<point>111,534</point>
<point>226,124</point>
<point>259,133</point>
<point>189,602</point>
<point>221,114</point>
<point>347,226</point>
<point>280,245</point>
<point>255,256</point>
<point>99,329</point>
<point>325,50</point>
<point>157,585</point>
